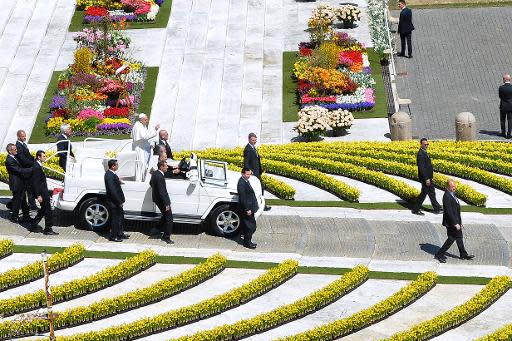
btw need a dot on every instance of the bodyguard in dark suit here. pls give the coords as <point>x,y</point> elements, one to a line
<point>249,206</point>
<point>252,160</point>
<point>405,28</point>
<point>505,93</point>
<point>40,188</point>
<point>115,199</point>
<point>63,146</point>
<point>453,223</point>
<point>425,175</point>
<point>27,161</point>
<point>162,200</point>
<point>17,179</point>
<point>163,137</point>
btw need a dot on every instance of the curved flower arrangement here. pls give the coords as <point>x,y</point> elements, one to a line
<point>97,93</point>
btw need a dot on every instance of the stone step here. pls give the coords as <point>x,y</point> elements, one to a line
<point>5,13</point>
<point>33,85</point>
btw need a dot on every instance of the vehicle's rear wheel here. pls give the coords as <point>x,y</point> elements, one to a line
<point>225,220</point>
<point>94,214</point>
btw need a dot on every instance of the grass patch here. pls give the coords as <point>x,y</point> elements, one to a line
<point>290,100</point>
<point>426,4</point>
<point>38,132</point>
<point>160,22</point>
<point>379,206</point>
<point>314,270</point>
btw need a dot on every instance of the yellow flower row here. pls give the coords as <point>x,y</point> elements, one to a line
<point>6,247</point>
<point>58,261</point>
<point>502,334</point>
<point>178,317</point>
<point>458,315</point>
<point>131,300</point>
<point>365,317</point>
<point>297,172</point>
<point>284,314</point>
<point>77,287</point>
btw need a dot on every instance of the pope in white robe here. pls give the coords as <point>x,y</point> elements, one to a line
<point>141,134</point>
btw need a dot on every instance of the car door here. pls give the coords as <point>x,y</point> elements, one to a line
<point>184,196</point>
<point>138,198</point>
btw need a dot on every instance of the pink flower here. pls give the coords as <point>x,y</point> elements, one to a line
<point>88,113</point>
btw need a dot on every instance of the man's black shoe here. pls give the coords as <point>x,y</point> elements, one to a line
<point>167,240</point>
<point>28,220</point>
<point>124,236</point>
<point>440,258</point>
<point>409,57</point>
<point>438,211</point>
<point>14,220</point>
<point>509,136</point>
<point>467,257</point>
<point>267,208</point>
<point>400,55</point>
<point>250,245</point>
<point>50,232</point>
<point>417,212</point>
<point>112,239</point>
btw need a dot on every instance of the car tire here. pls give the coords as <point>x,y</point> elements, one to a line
<point>94,214</point>
<point>225,220</point>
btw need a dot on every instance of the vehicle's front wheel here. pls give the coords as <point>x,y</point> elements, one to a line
<point>94,214</point>
<point>225,220</point>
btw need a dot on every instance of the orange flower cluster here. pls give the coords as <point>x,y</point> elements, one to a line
<point>330,80</point>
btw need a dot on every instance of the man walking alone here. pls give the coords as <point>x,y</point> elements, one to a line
<point>425,175</point>
<point>505,93</point>
<point>115,199</point>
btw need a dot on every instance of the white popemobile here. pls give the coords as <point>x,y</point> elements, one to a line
<point>205,193</point>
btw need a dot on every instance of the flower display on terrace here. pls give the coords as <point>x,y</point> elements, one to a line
<point>100,91</point>
<point>95,11</point>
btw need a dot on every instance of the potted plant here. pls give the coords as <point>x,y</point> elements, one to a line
<point>348,14</point>
<point>340,120</point>
<point>312,123</point>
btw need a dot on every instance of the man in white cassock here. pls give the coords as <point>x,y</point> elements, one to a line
<point>141,134</point>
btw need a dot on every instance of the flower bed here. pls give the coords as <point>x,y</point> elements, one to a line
<point>202,310</point>
<point>302,307</point>
<point>6,247</point>
<point>77,287</point>
<point>58,261</point>
<point>458,315</point>
<point>96,11</point>
<point>100,91</point>
<point>111,306</point>
<point>365,317</point>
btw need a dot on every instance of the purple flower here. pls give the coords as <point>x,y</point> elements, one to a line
<point>306,45</point>
<point>58,102</point>
<point>367,70</point>
<point>345,106</point>
<point>159,2</point>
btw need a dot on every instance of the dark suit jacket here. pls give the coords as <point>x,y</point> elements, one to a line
<point>17,174</point>
<point>425,169</point>
<point>115,193</point>
<point>505,92</point>
<point>252,160</point>
<point>38,180</point>
<point>246,196</point>
<point>405,23</point>
<point>451,214</point>
<point>63,146</point>
<point>167,148</point>
<point>159,190</point>
<point>24,157</point>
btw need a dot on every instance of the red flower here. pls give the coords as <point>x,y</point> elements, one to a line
<point>59,113</point>
<point>116,112</point>
<point>304,51</point>
<point>305,99</point>
<point>64,84</point>
<point>96,11</point>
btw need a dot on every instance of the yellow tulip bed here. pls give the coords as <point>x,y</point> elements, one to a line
<point>458,315</point>
<point>115,305</point>
<point>53,163</point>
<point>502,334</point>
<point>77,287</point>
<point>204,309</point>
<point>6,247</point>
<point>287,313</point>
<point>364,318</point>
<point>32,271</point>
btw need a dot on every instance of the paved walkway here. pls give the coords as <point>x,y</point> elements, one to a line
<point>457,66</point>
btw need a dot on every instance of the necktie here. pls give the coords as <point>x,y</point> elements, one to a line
<point>255,150</point>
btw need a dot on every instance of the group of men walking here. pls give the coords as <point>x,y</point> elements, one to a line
<point>28,184</point>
